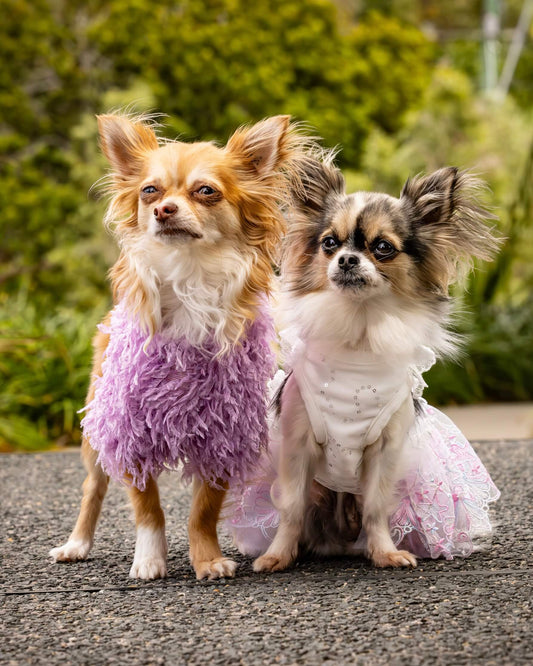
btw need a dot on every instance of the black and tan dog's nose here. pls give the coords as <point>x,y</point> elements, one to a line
<point>348,261</point>
<point>164,211</point>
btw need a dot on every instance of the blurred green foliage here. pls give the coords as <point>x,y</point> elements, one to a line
<point>367,75</point>
<point>44,363</point>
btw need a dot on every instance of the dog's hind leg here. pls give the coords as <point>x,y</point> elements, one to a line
<point>94,489</point>
<point>204,550</point>
<point>150,559</point>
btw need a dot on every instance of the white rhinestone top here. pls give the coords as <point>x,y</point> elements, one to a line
<point>349,400</point>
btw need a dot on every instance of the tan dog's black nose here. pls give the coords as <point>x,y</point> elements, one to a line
<point>163,212</point>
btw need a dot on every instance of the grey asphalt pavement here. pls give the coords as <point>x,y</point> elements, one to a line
<point>336,611</point>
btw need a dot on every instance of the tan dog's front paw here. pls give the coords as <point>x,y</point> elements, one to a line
<point>72,551</point>
<point>397,558</point>
<point>272,563</point>
<point>148,568</point>
<point>220,567</point>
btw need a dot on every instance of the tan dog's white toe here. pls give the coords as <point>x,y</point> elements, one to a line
<point>221,567</point>
<point>150,559</point>
<point>72,551</point>
<point>148,569</point>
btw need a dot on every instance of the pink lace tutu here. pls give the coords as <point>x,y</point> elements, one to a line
<point>442,505</point>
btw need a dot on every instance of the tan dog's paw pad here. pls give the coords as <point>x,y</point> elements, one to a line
<point>72,551</point>
<point>271,563</point>
<point>221,567</point>
<point>398,558</point>
<point>149,568</point>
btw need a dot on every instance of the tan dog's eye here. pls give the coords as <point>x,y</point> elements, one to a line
<point>383,250</point>
<point>149,189</point>
<point>206,191</point>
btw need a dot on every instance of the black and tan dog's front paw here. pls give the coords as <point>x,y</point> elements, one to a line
<point>272,562</point>
<point>397,558</point>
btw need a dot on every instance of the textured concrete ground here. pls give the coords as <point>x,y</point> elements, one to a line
<point>338,611</point>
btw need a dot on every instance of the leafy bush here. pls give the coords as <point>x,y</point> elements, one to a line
<point>215,65</point>
<point>44,369</point>
<point>497,365</point>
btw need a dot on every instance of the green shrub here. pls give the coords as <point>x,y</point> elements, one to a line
<point>497,363</point>
<point>45,360</point>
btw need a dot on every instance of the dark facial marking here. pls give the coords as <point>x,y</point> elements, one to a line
<point>413,246</point>
<point>358,239</point>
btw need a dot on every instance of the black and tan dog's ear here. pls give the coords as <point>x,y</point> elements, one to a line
<point>432,197</point>
<point>318,181</point>
<point>447,216</point>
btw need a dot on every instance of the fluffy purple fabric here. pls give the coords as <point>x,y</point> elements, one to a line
<point>177,403</point>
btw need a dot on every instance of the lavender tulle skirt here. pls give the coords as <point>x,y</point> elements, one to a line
<point>442,500</point>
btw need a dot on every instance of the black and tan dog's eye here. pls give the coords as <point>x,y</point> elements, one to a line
<point>383,250</point>
<point>329,243</point>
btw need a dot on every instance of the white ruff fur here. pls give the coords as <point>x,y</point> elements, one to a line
<point>381,323</point>
<point>192,288</point>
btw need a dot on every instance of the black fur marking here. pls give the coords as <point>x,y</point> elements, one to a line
<point>358,239</point>
<point>314,241</point>
<point>414,247</point>
<point>275,403</point>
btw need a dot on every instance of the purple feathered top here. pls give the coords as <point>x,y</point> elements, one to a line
<point>175,403</point>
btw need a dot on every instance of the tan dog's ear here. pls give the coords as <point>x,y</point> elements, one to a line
<point>125,141</point>
<point>261,146</point>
